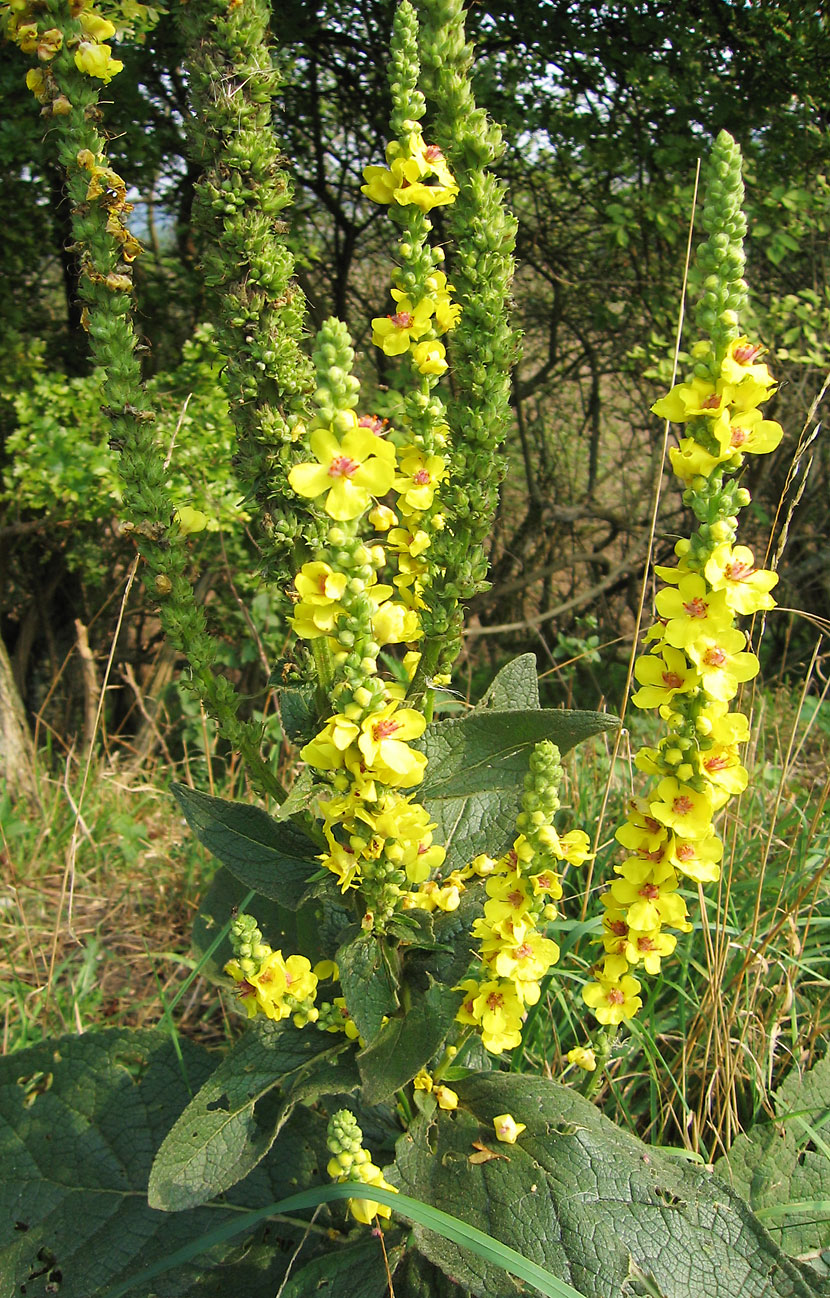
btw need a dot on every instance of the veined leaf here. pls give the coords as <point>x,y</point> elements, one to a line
<point>476,767</point>
<point>271,856</point>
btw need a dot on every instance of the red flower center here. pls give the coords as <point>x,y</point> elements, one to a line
<point>685,852</point>
<point>714,657</point>
<point>515,898</point>
<point>432,153</point>
<point>402,319</point>
<point>697,607</point>
<point>738,571</point>
<point>710,403</point>
<point>383,729</point>
<point>746,353</point>
<point>672,680</point>
<point>342,466</point>
<point>495,1001</point>
<point>682,806</point>
<point>375,424</point>
<point>615,996</point>
<point>650,891</point>
<point>421,477</point>
<point>739,435</point>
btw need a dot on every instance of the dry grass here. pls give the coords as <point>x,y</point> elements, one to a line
<point>97,910</point>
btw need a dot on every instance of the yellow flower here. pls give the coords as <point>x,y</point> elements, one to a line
<point>573,847</point>
<point>721,663</point>
<point>741,361</point>
<point>498,1011</point>
<point>365,1210</point>
<point>721,765</point>
<point>747,432</point>
<point>96,60</point>
<point>649,948</point>
<point>36,82</point>
<point>662,677</point>
<point>697,858</point>
<point>682,809</point>
<point>417,173</point>
<point>350,471</point>
<point>692,611</point>
<point>96,27</point>
<point>430,357</point>
<point>446,1097</point>
<point>447,312</point>
<point>190,520</point>
<point>733,571</point>
<point>318,583</point>
<point>583,1057</point>
<point>382,742</point>
<point>690,460</point>
<point>525,962</point>
<point>420,475</point>
<point>507,1128</point>
<point>689,401</point>
<point>648,896</point>
<point>269,989</point>
<point>395,334</point>
<point>613,999</point>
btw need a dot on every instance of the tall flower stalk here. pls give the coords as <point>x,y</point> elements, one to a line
<point>697,657</point>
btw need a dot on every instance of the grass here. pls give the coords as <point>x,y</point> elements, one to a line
<point>95,913</point>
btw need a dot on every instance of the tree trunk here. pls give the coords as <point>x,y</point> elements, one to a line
<point>17,754</point>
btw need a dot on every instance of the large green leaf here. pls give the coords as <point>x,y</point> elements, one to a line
<point>370,986</point>
<point>80,1119</point>
<point>782,1167</point>
<point>516,685</point>
<point>476,767</point>
<point>407,1042</point>
<point>271,856</point>
<point>358,1270</point>
<point>233,1121</point>
<point>585,1200</point>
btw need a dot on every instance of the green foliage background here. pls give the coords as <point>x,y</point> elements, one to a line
<point>606,111</point>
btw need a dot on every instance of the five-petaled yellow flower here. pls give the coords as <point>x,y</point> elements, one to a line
<point>351,471</point>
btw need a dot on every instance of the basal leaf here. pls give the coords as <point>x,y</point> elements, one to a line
<point>776,1163</point>
<point>355,1271</point>
<point>80,1120</point>
<point>230,1125</point>
<point>475,770</point>
<point>407,1042</point>
<point>271,856</point>
<point>585,1200</point>
<point>369,984</point>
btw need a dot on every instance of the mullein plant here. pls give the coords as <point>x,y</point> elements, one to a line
<point>69,40</point>
<point>697,657</point>
<point>373,583</point>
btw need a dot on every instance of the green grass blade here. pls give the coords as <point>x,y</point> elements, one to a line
<point>459,1232</point>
